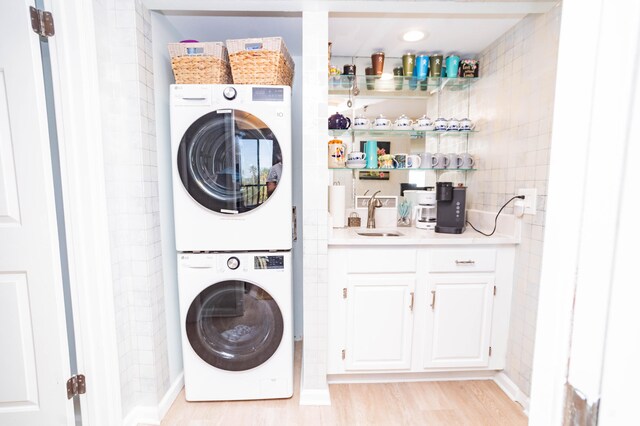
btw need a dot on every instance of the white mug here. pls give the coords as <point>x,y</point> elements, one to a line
<point>466,125</point>
<point>440,161</point>
<point>356,156</point>
<point>467,161</point>
<point>413,161</point>
<point>454,161</point>
<point>427,160</point>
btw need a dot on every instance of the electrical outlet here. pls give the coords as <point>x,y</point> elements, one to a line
<point>529,199</point>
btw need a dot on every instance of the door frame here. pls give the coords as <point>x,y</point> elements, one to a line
<point>78,118</point>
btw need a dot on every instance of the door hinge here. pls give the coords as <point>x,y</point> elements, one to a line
<point>344,354</point>
<point>494,290</point>
<point>294,223</point>
<point>76,385</point>
<point>42,22</point>
<point>344,293</point>
<point>489,350</point>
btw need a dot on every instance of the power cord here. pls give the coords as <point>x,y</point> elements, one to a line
<point>495,223</point>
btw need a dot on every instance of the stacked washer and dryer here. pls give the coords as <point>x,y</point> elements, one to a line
<point>231,147</point>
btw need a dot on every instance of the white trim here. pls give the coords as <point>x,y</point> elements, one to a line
<point>512,390</point>
<point>431,376</point>
<point>315,397</point>
<point>77,101</point>
<point>370,6</point>
<point>153,415</point>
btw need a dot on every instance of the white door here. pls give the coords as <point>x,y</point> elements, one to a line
<point>458,330</point>
<point>34,359</point>
<point>379,322</point>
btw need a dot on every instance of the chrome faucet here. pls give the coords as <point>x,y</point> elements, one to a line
<point>371,210</point>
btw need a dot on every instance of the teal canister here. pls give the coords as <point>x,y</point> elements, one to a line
<point>371,149</point>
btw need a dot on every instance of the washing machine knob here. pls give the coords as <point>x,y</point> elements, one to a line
<point>229,93</point>
<point>233,263</point>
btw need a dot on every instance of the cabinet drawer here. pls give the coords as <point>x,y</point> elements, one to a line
<point>463,260</point>
<point>381,260</point>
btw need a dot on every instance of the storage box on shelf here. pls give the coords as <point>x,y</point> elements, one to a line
<point>200,63</point>
<point>261,61</point>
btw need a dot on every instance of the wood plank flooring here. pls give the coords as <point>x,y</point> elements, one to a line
<point>417,403</point>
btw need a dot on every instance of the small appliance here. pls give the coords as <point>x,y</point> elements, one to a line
<point>424,210</point>
<point>450,215</point>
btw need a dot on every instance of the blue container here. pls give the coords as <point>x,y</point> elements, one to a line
<point>422,66</point>
<point>371,150</point>
<point>453,62</point>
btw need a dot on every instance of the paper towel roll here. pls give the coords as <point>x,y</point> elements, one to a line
<point>337,205</point>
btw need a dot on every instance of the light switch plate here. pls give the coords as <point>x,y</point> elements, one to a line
<point>530,198</point>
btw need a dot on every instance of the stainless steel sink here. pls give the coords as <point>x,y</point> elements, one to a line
<point>380,234</point>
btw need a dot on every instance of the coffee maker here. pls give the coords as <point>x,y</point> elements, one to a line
<point>424,213</point>
<point>450,217</point>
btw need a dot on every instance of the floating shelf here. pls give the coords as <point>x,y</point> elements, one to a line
<point>403,169</point>
<point>392,132</point>
<point>395,87</point>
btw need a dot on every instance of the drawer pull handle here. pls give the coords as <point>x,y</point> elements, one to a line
<point>465,262</point>
<point>433,299</point>
<point>411,305</point>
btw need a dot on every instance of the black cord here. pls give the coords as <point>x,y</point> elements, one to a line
<point>495,223</point>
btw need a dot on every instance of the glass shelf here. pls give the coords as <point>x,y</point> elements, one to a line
<point>403,169</point>
<point>395,87</point>
<point>391,132</point>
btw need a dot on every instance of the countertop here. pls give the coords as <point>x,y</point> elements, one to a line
<point>414,237</point>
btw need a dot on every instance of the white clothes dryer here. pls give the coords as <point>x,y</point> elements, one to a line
<point>231,153</point>
<point>237,325</point>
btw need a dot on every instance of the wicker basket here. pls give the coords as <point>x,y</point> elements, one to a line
<point>200,63</point>
<point>260,61</point>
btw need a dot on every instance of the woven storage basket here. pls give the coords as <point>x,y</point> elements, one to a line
<point>200,63</point>
<point>260,61</point>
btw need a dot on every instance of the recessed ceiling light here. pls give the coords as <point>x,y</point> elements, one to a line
<point>413,35</point>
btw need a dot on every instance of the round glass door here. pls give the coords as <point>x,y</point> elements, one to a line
<point>229,161</point>
<point>234,325</point>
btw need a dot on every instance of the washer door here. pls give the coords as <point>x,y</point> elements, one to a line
<point>229,161</point>
<point>234,325</point>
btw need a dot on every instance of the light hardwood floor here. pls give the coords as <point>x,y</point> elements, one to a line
<point>417,403</point>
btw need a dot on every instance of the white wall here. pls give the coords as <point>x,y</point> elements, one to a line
<point>513,105</point>
<point>162,34</point>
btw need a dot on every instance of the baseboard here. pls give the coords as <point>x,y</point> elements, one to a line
<point>512,390</point>
<point>153,415</point>
<point>315,397</point>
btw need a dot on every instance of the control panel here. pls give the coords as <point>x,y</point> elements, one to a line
<point>268,262</point>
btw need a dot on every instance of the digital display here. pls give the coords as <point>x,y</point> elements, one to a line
<point>268,262</point>
<point>268,94</point>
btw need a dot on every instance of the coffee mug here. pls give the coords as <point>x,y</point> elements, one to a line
<point>466,125</point>
<point>401,161</point>
<point>361,122</point>
<point>453,160</point>
<point>403,122</point>
<point>427,160</point>
<point>381,122</point>
<point>413,161</point>
<point>441,124</point>
<point>453,124</point>
<point>336,153</point>
<point>440,161</point>
<point>467,161</point>
<point>387,161</point>
<point>356,156</point>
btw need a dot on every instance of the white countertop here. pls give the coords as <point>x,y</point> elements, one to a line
<point>413,236</point>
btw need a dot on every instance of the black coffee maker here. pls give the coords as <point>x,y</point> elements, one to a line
<point>450,214</point>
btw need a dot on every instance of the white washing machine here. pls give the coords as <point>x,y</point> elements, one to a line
<point>231,152</point>
<point>237,325</point>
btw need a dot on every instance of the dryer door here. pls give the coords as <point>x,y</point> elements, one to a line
<point>234,325</point>
<point>229,161</point>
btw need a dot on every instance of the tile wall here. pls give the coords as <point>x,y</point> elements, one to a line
<point>513,106</point>
<point>314,214</point>
<point>126,80</point>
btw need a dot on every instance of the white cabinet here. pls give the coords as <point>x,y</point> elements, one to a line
<point>379,321</point>
<point>459,313</point>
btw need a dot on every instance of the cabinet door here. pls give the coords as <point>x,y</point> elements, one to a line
<point>459,331</point>
<point>379,322</point>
